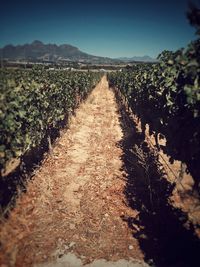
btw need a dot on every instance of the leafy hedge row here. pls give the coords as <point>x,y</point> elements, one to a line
<point>32,102</point>
<point>166,96</point>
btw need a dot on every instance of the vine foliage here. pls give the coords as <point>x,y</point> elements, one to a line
<point>166,96</point>
<point>33,102</point>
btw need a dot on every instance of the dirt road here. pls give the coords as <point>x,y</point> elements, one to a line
<point>72,211</point>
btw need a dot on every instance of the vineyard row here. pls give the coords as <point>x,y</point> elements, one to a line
<point>33,103</point>
<point>166,96</point>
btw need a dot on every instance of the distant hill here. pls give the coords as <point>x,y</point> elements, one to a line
<point>38,51</point>
<point>140,59</point>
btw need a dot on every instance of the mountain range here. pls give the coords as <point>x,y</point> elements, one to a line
<point>38,51</point>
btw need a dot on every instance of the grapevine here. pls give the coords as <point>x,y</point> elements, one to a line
<point>35,101</point>
<point>166,96</point>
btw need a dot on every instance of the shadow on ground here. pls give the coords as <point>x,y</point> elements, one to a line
<point>12,185</point>
<point>164,234</point>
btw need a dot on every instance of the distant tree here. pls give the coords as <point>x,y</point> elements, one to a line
<point>193,15</point>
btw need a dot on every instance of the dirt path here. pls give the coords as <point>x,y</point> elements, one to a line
<point>71,213</point>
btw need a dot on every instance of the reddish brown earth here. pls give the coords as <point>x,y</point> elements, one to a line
<point>75,200</point>
<point>75,203</point>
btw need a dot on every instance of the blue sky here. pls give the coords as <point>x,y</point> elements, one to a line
<point>110,28</point>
